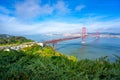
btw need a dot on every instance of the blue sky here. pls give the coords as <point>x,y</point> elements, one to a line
<point>58,16</point>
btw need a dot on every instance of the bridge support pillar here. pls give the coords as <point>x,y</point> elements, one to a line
<point>97,35</point>
<point>83,35</point>
<point>54,45</point>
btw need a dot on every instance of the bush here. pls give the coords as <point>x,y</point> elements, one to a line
<point>29,64</point>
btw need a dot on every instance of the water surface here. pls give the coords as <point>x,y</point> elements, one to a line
<point>91,50</point>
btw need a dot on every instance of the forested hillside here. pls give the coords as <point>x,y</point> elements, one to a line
<point>44,63</point>
<point>8,39</point>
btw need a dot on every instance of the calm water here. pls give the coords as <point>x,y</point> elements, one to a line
<point>91,50</point>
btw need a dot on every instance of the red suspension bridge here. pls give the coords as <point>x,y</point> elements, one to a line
<point>83,36</point>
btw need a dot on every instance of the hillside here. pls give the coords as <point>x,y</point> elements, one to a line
<point>8,39</point>
<point>37,63</point>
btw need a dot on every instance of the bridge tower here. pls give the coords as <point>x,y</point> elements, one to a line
<point>83,35</point>
<point>97,35</point>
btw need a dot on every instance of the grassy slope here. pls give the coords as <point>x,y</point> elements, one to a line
<point>36,63</point>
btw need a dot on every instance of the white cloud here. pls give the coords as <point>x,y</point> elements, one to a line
<point>33,8</point>
<point>79,7</point>
<point>47,9</point>
<point>13,25</point>
<point>61,7</point>
<point>27,9</point>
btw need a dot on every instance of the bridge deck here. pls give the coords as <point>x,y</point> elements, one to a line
<point>60,40</point>
<point>68,38</point>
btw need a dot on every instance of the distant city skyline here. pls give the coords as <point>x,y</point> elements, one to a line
<point>26,17</point>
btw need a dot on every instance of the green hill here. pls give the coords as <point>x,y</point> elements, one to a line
<point>8,39</point>
<point>37,63</point>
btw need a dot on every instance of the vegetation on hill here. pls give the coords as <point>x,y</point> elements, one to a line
<point>7,39</point>
<point>4,35</point>
<point>37,63</point>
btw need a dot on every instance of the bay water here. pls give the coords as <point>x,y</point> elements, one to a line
<point>92,49</point>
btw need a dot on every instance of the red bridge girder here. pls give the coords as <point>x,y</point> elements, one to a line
<point>83,36</point>
<point>54,41</point>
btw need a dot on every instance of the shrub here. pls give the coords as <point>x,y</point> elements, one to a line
<point>29,64</point>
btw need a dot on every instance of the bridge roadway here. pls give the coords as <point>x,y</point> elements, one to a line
<point>60,40</point>
<point>68,38</point>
